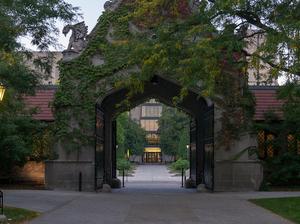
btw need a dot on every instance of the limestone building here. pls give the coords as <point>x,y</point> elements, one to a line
<point>147,116</point>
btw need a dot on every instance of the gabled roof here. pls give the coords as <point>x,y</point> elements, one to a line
<point>266,100</point>
<point>42,100</point>
<point>265,96</point>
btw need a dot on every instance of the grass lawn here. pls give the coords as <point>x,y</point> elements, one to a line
<point>288,208</point>
<point>18,215</point>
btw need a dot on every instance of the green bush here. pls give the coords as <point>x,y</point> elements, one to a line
<point>180,164</point>
<point>123,164</point>
<point>283,170</point>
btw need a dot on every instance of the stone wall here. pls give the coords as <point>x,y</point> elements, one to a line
<point>237,168</point>
<point>64,175</point>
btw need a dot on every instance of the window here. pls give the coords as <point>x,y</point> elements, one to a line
<point>153,139</point>
<point>293,145</point>
<point>265,144</point>
<point>149,125</point>
<point>151,111</point>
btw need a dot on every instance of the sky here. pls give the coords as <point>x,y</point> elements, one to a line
<point>90,9</point>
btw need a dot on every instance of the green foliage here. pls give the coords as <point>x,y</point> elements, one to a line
<point>130,136</point>
<point>184,141</point>
<point>180,164</point>
<point>42,143</point>
<point>283,170</point>
<point>123,164</point>
<point>16,131</point>
<point>290,93</point>
<point>35,20</point>
<point>174,132</point>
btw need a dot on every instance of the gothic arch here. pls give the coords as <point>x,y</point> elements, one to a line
<point>164,90</point>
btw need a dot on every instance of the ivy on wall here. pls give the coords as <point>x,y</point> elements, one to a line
<point>180,46</point>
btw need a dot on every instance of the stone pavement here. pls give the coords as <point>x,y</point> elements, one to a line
<point>153,173</point>
<point>156,201</point>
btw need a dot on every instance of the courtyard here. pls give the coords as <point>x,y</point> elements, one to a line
<point>152,195</point>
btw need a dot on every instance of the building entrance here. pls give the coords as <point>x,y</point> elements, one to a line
<point>152,155</point>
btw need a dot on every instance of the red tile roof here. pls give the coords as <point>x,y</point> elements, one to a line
<point>42,100</point>
<point>265,101</point>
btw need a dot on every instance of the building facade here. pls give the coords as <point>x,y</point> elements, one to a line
<point>147,116</point>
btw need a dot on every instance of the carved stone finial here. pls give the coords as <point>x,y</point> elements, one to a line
<point>112,5</point>
<point>78,38</point>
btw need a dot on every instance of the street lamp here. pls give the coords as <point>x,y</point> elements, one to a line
<point>187,151</point>
<point>2,92</point>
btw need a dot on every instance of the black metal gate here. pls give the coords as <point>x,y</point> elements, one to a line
<point>114,149</point>
<point>99,149</point>
<point>208,143</point>
<point>193,150</point>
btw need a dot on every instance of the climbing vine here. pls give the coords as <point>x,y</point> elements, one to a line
<point>180,45</point>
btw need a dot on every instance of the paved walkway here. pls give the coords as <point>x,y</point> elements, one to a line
<point>153,173</point>
<point>139,207</point>
<point>152,196</point>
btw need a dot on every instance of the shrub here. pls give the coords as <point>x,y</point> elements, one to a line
<point>283,170</point>
<point>123,164</point>
<point>180,164</point>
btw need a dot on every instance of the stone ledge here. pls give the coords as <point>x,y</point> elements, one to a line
<point>67,161</point>
<point>3,219</point>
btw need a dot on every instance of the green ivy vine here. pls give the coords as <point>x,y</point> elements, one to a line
<point>181,49</point>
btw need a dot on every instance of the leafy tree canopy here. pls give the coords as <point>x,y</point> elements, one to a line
<point>174,132</point>
<point>36,20</point>
<point>219,25</point>
<point>130,136</point>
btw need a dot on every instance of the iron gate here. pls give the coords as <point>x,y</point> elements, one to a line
<point>193,150</point>
<point>208,144</point>
<point>99,149</point>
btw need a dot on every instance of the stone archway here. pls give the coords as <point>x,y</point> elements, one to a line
<point>201,152</point>
<point>89,73</point>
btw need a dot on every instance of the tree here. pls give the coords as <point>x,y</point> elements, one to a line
<point>36,20</point>
<point>130,136</point>
<point>229,21</point>
<point>283,168</point>
<point>173,130</point>
<point>205,46</point>
<point>16,131</point>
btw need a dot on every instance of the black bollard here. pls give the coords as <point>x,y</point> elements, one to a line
<point>123,180</point>
<point>182,171</point>
<point>80,182</point>
<point>1,202</point>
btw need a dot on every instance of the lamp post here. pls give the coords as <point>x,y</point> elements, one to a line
<point>187,152</point>
<point>2,216</point>
<point>2,92</point>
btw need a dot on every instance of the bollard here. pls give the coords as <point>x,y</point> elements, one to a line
<point>80,182</point>
<point>182,170</point>
<point>123,180</point>
<point>1,203</point>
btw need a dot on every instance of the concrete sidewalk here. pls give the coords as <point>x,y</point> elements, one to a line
<point>147,205</point>
<point>153,173</point>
